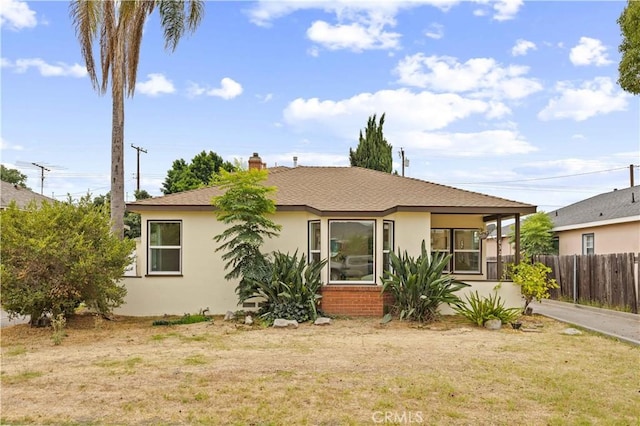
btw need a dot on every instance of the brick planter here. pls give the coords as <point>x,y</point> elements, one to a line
<point>354,300</point>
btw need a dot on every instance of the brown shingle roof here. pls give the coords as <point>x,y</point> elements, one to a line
<point>22,196</point>
<point>350,189</point>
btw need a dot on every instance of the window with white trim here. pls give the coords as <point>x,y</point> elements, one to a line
<point>314,241</point>
<point>588,244</point>
<point>352,257</point>
<point>165,247</point>
<point>387,244</point>
<point>464,244</point>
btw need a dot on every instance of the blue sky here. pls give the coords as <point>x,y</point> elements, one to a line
<point>495,97</point>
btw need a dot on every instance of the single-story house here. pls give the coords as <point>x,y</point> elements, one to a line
<point>352,216</point>
<point>22,196</point>
<point>603,224</point>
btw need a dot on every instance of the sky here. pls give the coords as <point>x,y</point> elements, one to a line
<point>517,99</point>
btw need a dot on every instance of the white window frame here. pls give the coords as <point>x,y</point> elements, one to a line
<point>161,247</point>
<point>588,243</point>
<point>314,251</point>
<point>446,251</point>
<point>466,250</point>
<point>351,282</point>
<point>386,266</point>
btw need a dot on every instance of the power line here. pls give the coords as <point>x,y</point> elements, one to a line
<point>542,178</point>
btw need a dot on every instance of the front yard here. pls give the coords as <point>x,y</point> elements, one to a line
<point>354,371</point>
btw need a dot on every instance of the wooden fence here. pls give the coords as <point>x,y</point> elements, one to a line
<point>607,279</point>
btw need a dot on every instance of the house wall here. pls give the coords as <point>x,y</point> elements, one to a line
<point>614,238</point>
<point>202,284</point>
<point>492,249</point>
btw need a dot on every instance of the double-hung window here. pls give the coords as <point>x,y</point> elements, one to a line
<point>314,241</point>
<point>165,247</point>
<point>588,244</point>
<point>387,244</point>
<point>440,243</point>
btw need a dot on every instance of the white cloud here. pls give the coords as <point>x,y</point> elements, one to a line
<point>435,31</point>
<point>482,77</point>
<point>594,97</point>
<point>313,51</point>
<point>16,15</point>
<point>264,98</point>
<point>423,110</point>
<point>355,36</point>
<point>155,85</point>
<point>228,89</point>
<point>60,69</point>
<point>522,47</point>
<point>506,9</point>
<point>7,146</point>
<point>589,51</point>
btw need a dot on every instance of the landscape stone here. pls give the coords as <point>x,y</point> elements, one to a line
<point>284,323</point>
<point>571,331</point>
<point>229,316</point>
<point>248,320</point>
<point>322,321</point>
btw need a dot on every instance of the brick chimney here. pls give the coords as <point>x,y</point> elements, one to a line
<point>255,162</point>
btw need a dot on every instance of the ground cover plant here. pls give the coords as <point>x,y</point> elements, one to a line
<point>352,372</point>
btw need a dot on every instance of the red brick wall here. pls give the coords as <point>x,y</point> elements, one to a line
<point>354,300</point>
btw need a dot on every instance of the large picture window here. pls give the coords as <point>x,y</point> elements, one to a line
<point>464,244</point>
<point>352,251</point>
<point>165,248</point>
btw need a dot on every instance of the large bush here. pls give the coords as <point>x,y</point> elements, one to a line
<point>57,255</point>
<point>419,285</point>
<point>289,286</point>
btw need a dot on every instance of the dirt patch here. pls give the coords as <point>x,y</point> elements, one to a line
<point>355,371</point>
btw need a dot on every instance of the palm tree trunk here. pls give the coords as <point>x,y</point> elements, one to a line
<point>117,140</point>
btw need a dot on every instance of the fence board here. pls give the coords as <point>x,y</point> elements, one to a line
<point>605,279</point>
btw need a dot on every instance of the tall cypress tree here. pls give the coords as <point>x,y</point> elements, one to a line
<point>373,151</point>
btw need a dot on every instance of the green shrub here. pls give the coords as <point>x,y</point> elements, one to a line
<point>289,286</point>
<point>57,255</point>
<point>186,319</point>
<point>479,309</point>
<point>534,281</point>
<point>420,285</point>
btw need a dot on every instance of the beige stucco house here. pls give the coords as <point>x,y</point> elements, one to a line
<point>350,215</point>
<point>604,224</point>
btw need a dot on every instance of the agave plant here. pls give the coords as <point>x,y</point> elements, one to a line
<point>419,285</point>
<point>479,309</point>
<point>289,286</point>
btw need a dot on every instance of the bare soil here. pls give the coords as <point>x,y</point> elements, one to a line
<point>355,371</point>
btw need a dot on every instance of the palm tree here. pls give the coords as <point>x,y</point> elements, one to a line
<point>118,26</point>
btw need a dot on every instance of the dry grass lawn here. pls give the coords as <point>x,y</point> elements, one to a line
<point>355,371</point>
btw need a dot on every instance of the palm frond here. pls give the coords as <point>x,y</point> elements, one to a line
<point>85,15</point>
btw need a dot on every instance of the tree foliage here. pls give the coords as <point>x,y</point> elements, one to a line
<point>199,173</point>
<point>57,255</point>
<point>534,281</point>
<point>245,206</point>
<point>132,220</point>
<point>373,151</point>
<point>536,236</point>
<point>629,67</point>
<point>13,176</point>
<point>118,26</point>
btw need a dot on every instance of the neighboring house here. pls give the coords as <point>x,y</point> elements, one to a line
<point>506,248</point>
<point>606,223</point>
<point>350,215</point>
<point>22,196</point>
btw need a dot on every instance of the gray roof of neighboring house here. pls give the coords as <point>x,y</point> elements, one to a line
<point>22,196</point>
<point>349,190</point>
<point>616,204</point>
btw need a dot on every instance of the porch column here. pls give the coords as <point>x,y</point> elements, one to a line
<point>517,230</point>
<point>499,247</point>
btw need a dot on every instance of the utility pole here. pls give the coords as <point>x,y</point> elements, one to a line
<point>137,148</point>
<point>631,175</point>
<point>42,169</point>
<point>405,161</point>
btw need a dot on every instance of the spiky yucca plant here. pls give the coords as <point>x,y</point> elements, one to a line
<point>419,285</point>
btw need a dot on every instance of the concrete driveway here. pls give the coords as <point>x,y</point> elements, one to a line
<point>5,321</point>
